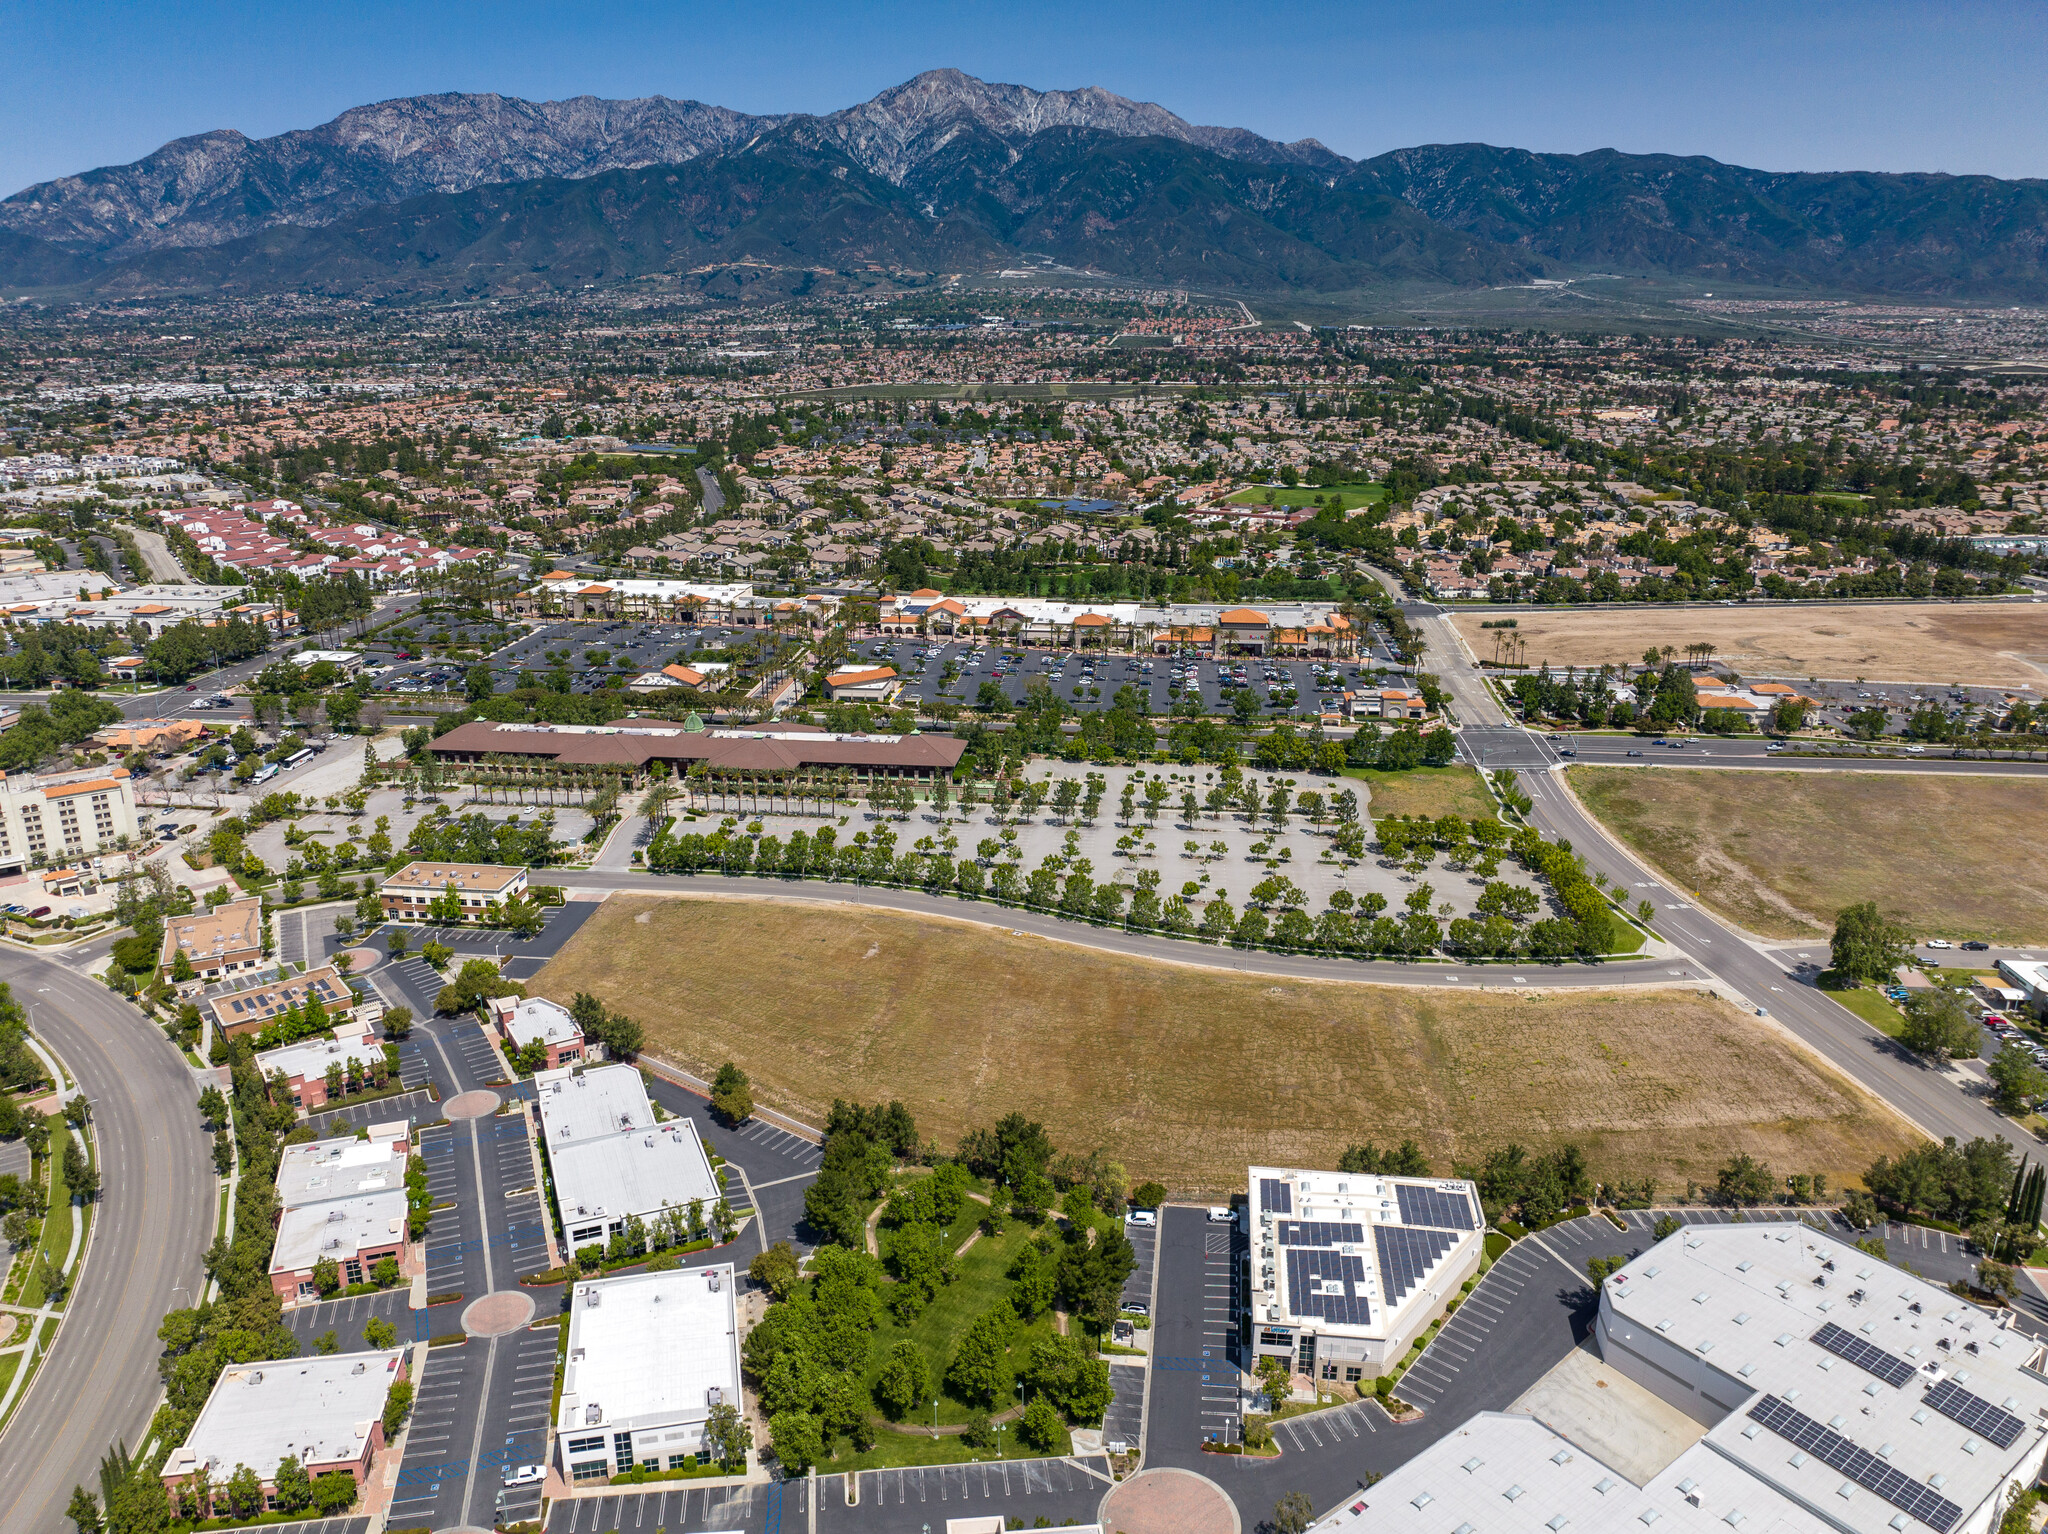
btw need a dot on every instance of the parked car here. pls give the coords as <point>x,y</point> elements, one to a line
<point>1974,946</point>
<point>1135,1308</point>
<point>1142,1217</point>
<point>525,1475</point>
<point>1939,942</point>
<point>1218,1215</point>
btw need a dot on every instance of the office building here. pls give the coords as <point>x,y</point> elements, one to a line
<point>610,1159</point>
<point>1349,1268</point>
<point>649,1355</point>
<point>408,893</point>
<point>325,1412</point>
<point>327,1171</point>
<point>354,1234</point>
<point>524,1021</point>
<point>227,940</point>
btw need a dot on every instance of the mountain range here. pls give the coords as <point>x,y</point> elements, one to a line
<point>468,193</point>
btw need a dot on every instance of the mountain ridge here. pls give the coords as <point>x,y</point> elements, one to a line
<point>945,170</point>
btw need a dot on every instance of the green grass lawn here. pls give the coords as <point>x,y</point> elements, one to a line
<point>1365,493</point>
<point>981,1279</point>
<point>1872,1008</point>
<point>1428,791</point>
<point>892,1449</point>
<point>57,1223</point>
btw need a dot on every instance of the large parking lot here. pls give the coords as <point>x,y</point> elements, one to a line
<point>592,651</point>
<point>954,671</point>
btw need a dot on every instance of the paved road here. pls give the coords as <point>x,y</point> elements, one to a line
<point>99,1383</point>
<point>1929,1099</point>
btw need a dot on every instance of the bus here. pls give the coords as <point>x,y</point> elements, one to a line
<point>298,758</point>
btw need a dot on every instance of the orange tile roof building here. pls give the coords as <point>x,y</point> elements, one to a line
<point>227,940</point>
<point>63,817</point>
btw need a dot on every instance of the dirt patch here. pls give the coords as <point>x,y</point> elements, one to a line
<point>1188,1075</point>
<point>1781,852</point>
<point>471,1105</point>
<point>1937,642</point>
<point>497,1314</point>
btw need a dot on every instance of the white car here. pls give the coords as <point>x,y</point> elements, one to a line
<point>1218,1215</point>
<point>1141,1217</point>
<point>525,1475</point>
<point>1939,942</point>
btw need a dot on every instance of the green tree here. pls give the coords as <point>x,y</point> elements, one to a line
<point>476,683</point>
<point>334,1493</point>
<point>904,1384</point>
<point>379,1333</point>
<point>732,1095</point>
<point>294,1488</point>
<point>798,1440</point>
<point>1866,946</point>
<point>1744,1180</point>
<point>242,1492</point>
<point>1059,1371</point>
<point>1939,1026</point>
<point>776,1270</point>
<point>327,1342</point>
<point>979,1372</point>
<point>397,1407</point>
<point>1041,1427</point>
<point>84,1512</point>
<point>326,1276</point>
<point>1293,1513</point>
<point>728,1435</point>
<point>2018,1081</point>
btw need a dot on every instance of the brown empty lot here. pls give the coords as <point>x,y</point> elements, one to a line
<point>1989,646</point>
<point>1781,852</point>
<point>1189,1075</point>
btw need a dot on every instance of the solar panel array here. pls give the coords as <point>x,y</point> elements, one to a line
<point>1434,1206</point>
<point>1405,1255</point>
<point>1308,1270</point>
<point>1318,1233</point>
<point>1974,1412</point>
<point>1889,1367</point>
<point>1859,1465</point>
<point>1275,1197</point>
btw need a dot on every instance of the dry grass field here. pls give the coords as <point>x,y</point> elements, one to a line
<point>1187,1074</point>
<point>1889,642</point>
<point>1781,852</point>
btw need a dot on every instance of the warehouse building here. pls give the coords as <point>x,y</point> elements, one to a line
<point>1349,1268</point>
<point>1829,1390</point>
<point>325,1412</point>
<point>649,1356</point>
<point>611,1160</point>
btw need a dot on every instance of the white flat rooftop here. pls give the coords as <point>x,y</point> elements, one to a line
<point>317,1410</point>
<point>537,1018</point>
<point>1508,1474</point>
<point>327,1170</point>
<point>309,1058</point>
<point>338,1229</point>
<point>1810,1336</point>
<point>609,1156</point>
<point>1353,1253</point>
<point>648,1349</point>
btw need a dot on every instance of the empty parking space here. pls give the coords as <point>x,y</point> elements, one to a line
<point>516,1429</point>
<point>346,1318</point>
<point>437,1447</point>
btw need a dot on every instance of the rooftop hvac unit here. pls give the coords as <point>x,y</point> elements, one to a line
<point>358,1369</point>
<point>717,1279</point>
<point>592,1414</point>
<point>594,1298</point>
<point>647,1140</point>
<point>336,1214</point>
<point>715,1396</point>
<point>256,1378</point>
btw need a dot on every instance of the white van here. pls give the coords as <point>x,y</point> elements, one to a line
<point>1218,1215</point>
<point>1141,1217</point>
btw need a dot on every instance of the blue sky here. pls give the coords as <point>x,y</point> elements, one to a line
<point>1877,85</point>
